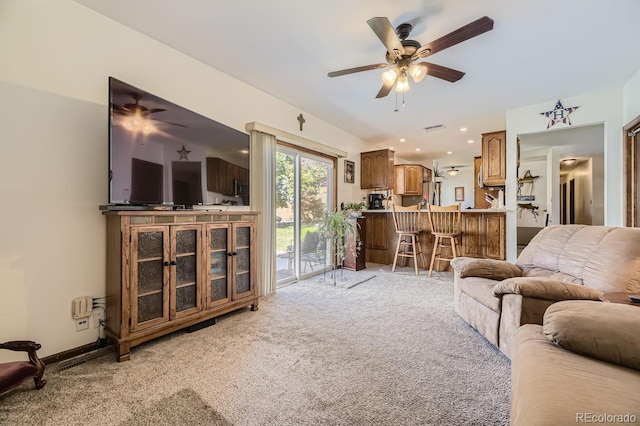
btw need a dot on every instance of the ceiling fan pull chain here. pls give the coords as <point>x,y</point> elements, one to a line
<point>396,110</point>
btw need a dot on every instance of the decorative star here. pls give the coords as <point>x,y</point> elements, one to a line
<point>559,114</point>
<point>183,153</point>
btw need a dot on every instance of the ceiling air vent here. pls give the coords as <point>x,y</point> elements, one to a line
<point>435,128</point>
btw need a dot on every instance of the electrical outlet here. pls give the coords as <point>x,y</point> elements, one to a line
<point>82,324</point>
<point>98,315</point>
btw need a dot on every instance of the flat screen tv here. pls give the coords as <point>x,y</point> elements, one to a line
<point>164,154</point>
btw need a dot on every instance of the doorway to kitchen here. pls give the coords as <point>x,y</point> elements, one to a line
<point>305,188</point>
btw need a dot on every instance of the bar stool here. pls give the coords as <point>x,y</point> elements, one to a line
<point>408,228</point>
<point>445,224</point>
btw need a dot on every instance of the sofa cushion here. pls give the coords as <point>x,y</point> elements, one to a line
<point>554,275</point>
<point>602,257</point>
<point>480,290</point>
<point>553,386</point>
<point>545,288</point>
<point>485,268</point>
<point>605,331</point>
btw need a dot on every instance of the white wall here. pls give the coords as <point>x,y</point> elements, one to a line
<point>56,60</point>
<point>601,107</point>
<point>631,97</point>
<point>464,179</point>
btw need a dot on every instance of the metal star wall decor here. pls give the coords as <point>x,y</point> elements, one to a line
<point>559,114</point>
<point>183,153</point>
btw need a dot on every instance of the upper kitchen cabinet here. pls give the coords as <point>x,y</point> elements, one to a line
<point>376,169</point>
<point>408,179</point>
<point>494,167</point>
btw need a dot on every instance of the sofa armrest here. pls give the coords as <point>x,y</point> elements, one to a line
<point>546,289</point>
<point>484,268</point>
<point>604,331</point>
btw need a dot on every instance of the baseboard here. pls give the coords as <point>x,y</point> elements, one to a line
<point>72,353</point>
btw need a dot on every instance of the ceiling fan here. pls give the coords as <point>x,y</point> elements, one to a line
<point>402,54</point>
<point>140,112</point>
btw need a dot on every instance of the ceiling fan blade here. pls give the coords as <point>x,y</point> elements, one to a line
<point>385,89</point>
<point>168,122</point>
<point>357,69</point>
<point>387,35</point>
<point>118,109</point>
<point>466,32</point>
<point>438,71</point>
<point>147,112</point>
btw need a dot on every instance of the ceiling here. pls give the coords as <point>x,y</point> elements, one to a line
<point>538,51</point>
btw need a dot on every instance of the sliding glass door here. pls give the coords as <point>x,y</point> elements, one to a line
<point>304,192</point>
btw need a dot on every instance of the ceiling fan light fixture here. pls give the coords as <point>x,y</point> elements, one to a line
<point>390,75</point>
<point>403,83</point>
<point>417,72</point>
<point>452,171</point>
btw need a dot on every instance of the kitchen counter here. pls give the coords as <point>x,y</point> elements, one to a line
<point>483,235</point>
<point>425,210</point>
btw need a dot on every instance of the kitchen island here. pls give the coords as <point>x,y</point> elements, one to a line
<point>483,236</point>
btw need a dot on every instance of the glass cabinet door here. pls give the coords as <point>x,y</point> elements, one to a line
<point>218,259</point>
<point>150,276</point>
<point>185,281</point>
<point>242,256</point>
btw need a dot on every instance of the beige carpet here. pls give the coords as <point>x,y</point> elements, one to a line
<point>389,351</point>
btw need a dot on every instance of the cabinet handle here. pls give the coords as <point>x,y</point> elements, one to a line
<point>166,263</point>
<point>235,254</point>
<point>173,263</point>
<point>229,254</point>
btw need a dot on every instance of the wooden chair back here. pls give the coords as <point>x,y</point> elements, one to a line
<point>444,220</point>
<point>406,219</point>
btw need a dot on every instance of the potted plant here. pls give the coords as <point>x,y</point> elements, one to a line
<point>354,208</point>
<point>335,229</point>
<point>438,175</point>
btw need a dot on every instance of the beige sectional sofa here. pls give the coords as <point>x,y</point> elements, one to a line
<point>581,366</point>
<point>574,359</point>
<point>562,262</point>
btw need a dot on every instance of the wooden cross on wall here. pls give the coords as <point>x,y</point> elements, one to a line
<point>301,120</point>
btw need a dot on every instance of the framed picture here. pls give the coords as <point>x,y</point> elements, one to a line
<point>459,193</point>
<point>349,171</point>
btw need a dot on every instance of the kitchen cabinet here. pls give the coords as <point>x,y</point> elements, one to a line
<point>379,234</point>
<point>355,260</point>
<point>494,167</point>
<point>483,235</point>
<point>376,169</point>
<point>221,175</point>
<point>479,190</point>
<point>408,179</point>
<point>167,270</point>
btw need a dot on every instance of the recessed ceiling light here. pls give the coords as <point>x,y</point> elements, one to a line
<point>449,152</point>
<point>470,141</point>
<point>417,149</point>
<point>403,140</point>
<point>244,151</point>
<point>463,129</point>
<point>391,148</point>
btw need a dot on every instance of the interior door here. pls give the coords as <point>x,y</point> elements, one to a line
<point>305,187</point>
